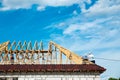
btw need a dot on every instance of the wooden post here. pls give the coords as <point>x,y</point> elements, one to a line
<point>66,60</point>
<point>60,57</point>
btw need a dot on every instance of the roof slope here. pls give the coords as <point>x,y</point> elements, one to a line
<point>52,68</point>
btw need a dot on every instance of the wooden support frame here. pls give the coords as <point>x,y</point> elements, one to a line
<point>26,48</point>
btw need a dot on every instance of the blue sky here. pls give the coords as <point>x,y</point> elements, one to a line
<point>80,25</point>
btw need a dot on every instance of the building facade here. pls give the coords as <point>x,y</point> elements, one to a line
<point>51,72</point>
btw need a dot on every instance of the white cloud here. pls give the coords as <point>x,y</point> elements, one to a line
<point>59,2</point>
<point>81,27</point>
<point>40,8</point>
<point>75,12</point>
<point>16,4</point>
<point>84,26</point>
<point>26,4</point>
<point>104,7</point>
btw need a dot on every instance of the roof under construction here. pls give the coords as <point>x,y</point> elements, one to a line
<point>18,57</point>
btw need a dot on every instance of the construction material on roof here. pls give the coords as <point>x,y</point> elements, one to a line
<point>27,53</point>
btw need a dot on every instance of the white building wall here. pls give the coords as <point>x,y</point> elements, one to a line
<point>53,76</point>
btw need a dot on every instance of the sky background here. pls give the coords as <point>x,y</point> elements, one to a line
<point>82,26</point>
